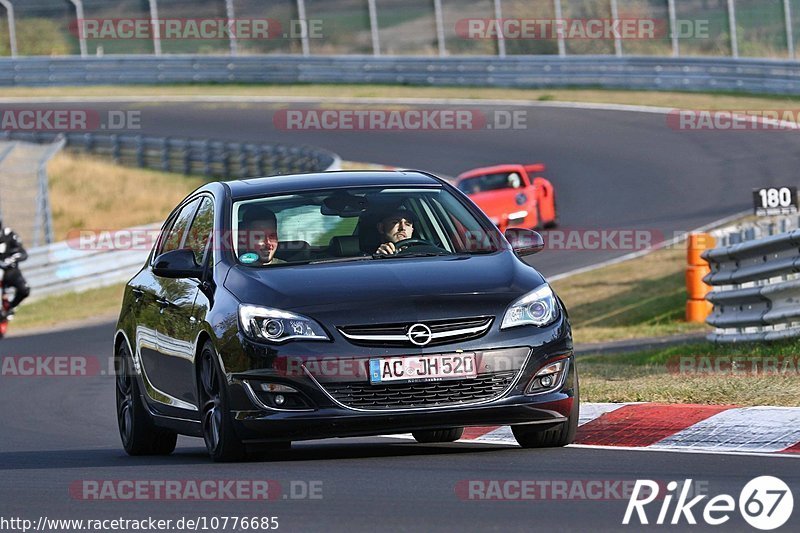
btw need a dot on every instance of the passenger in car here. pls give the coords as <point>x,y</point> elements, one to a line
<point>258,238</point>
<point>395,227</point>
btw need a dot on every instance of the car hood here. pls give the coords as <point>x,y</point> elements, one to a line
<point>389,290</point>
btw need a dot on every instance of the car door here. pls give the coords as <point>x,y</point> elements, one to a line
<point>179,325</point>
<point>155,292</point>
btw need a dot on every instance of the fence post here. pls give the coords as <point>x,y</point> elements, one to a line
<point>12,27</point>
<point>439,16</point>
<point>139,151</point>
<point>617,37</point>
<point>673,25</point>
<point>230,13</point>
<point>562,45</point>
<point>301,13</point>
<point>732,24</point>
<point>165,156</point>
<point>787,12</point>
<point>373,28</point>
<point>501,39</point>
<point>79,15</point>
<point>115,148</point>
<point>156,28</point>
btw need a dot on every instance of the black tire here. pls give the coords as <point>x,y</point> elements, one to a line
<point>530,436</point>
<point>136,429</point>
<point>438,435</point>
<point>222,443</point>
<point>553,223</point>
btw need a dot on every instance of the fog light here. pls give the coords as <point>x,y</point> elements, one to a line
<point>548,377</point>
<point>280,399</point>
<point>276,387</point>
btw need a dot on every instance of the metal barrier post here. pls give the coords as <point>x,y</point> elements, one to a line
<point>562,45</point>
<point>617,37</point>
<point>79,15</point>
<point>301,13</point>
<point>673,26</point>
<point>732,24</point>
<point>501,39</point>
<point>437,12</point>
<point>373,27</point>
<point>230,13</point>
<point>12,26</point>
<point>156,28</point>
<point>787,13</point>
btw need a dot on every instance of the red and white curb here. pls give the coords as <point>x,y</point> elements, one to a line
<point>674,427</point>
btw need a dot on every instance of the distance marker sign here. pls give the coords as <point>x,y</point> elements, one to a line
<point>771,201</point>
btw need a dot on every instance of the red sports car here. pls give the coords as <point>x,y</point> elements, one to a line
<point>512,195</point>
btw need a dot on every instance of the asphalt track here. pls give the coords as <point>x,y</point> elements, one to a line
<point>611,170</point>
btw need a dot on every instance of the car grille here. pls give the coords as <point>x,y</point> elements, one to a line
<point>442,331</point>
<point>423,394</point>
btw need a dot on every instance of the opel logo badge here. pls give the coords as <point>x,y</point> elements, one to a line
<point>419,334</point>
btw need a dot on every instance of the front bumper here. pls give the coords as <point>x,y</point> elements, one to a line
<point>331,420</point>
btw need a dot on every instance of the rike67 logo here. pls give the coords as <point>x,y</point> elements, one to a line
<point>765,503</point>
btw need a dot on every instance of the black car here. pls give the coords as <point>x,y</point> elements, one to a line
<point>274,310</point>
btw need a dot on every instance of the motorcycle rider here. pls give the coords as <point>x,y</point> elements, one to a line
<point>11,254</point>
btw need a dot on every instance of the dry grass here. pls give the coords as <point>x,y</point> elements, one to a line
<point>103,302</point>
<point>644,297</point>
<point>651,98</point>
<point>92,193</point>
<point>654,376</point>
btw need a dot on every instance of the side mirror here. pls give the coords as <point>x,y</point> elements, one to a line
<point>177,264</point>
<point>524,241</point>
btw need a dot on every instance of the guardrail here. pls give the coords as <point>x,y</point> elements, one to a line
<point>756,294</point>
<point>218,159</point>
<point>651,73</point>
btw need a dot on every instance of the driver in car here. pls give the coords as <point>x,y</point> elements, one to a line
<point>395,227</point>
<point>259,238</point>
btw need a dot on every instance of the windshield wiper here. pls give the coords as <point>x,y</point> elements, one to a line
<point>419,254</point>
<point>341,260</point>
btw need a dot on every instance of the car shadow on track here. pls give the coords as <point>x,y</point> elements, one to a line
<point>101,458</point>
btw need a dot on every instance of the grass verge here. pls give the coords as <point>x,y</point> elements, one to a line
<point>643,297</point>
<point>703,373</point>
<point>684,100</point>
<point>88,192</point>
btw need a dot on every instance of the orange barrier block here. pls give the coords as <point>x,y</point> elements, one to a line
<point>697,244</point>
<point>698,310</point>
<point>694,282</point>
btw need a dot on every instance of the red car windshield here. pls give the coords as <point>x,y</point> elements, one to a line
<point>491,182</point>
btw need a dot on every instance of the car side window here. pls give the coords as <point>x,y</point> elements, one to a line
<point>200,233</point>
<point>175,236</point>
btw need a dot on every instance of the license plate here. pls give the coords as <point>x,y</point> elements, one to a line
<point>422,368</point>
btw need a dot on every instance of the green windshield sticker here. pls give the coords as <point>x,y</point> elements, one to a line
<point>248,258</point>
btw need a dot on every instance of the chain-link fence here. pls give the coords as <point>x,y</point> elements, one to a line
<point>746,28</point>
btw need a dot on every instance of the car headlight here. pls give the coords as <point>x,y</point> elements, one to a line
<point>537,308</point>
<point>275,325</point>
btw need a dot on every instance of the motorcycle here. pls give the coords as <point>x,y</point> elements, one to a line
<point>5,303</point>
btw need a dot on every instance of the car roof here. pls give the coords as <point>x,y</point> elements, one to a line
<point>323,180</point>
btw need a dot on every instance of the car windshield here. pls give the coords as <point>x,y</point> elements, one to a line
<point>356,224</point>
<point>490,182</point>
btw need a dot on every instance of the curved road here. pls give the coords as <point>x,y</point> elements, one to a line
<point>611,170</point>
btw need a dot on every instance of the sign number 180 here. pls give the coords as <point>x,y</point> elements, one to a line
<point>775,201</point>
